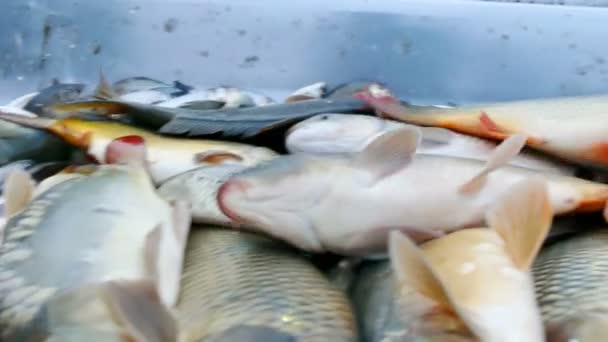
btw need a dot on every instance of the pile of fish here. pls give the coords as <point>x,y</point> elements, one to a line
<point>142,210</point>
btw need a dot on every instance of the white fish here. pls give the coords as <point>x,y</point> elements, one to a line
<point>309,92</point>
<point>349,133</point>
<point>480,274</point>
<point>232,97</point>
<point>348,203</point>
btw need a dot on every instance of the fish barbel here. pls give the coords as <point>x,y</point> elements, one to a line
<point>348,203</point>
<point>572,128</point>
<point>109,224</point>
<point>570,277</point>
<point>482,275</point>
<point>349,133</point>
<point>239,286</point>
<point>166,156</point>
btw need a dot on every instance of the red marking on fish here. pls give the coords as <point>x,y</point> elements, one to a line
<point>489,124</point>
<point>124,148</point>
<point>385,106</point>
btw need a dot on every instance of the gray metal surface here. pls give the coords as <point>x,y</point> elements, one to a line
<point>427,50</point>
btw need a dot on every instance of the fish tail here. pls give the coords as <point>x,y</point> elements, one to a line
<point>32,122</point>
<point>595,196</point>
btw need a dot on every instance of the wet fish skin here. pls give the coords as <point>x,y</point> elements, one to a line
<point>36,145</point>
<point>565,127</point>
<point>86,216</point>
<point>350,133</point>
<point>570,278</point>
<point>55,94</point>
<point>316,199</point>
<point>199,187</point>
<point>167,156</point>
<point>241,281</point>
<point>135,84</point>
<point>381,313</point>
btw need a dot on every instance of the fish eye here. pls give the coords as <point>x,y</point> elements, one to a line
<point>324,117</point>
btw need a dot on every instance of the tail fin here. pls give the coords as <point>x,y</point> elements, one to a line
<point>26,121</point>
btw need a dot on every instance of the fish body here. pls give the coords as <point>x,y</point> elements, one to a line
<point>480,275</point>
<point>309,92</point>
<point>151,96</point>
<point>136,84</point>
<point>32,144</point>
<point>199,187</point>
<point>107,225</point>
<point>167,156</point>
<point>108,311</point>
<point>571,128</point>
<point>348,203</point>
<point>55,94</point>
<point>232,98</point>
<point>238,284</point>
<point>22,101</point>
<point>570,277</point>
<point>345,133</point>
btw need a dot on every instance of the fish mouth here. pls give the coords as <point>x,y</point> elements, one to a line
<point>231,186</point>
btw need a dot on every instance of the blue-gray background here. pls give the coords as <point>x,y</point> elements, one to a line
<point>429,51</point>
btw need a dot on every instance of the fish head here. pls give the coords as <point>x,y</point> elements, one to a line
<point>276,197</point>
<point>333,133</point>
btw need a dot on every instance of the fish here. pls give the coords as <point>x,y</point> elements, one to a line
<point>99,240</point>
<point>25,143</point>
<point>167,156</point>
<point>240,286</point>
<point>229,122</point>
<point>136,84</point>
<point>570,276</point>
<point>55,94</point>
<point>346,90</point>
<point>348,203</point>
<point>350,133</point>
<point>564,127</point>
<point>199,187</point>
<point>231,98</point>
<point>479,275</point>
<point>309,92</point>
<point>106,311</point>
<point>382,315</point>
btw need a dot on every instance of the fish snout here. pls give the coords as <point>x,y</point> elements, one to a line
<point>229,192</point>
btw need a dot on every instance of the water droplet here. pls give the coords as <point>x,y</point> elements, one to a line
<point>20,78</point>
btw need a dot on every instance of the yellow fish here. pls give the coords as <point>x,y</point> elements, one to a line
<point>481,275</point>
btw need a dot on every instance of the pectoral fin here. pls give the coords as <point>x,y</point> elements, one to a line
<point>18,192</point>
<point>523,218</point>
<point>413,270</point>
<point>138,307</point>
<point>389,152</point>
<point>501,156</point>
<point>217,157</point>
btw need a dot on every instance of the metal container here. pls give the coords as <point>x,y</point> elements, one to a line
<point>428,51</point>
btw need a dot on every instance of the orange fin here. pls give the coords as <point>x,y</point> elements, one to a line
<point>598,152</point>
<point>493,130</point>
<point>216,157</point>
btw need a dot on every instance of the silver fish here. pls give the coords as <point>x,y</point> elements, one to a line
<point>350,133</point>
<point>99,241</point>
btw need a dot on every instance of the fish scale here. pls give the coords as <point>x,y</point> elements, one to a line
<point>234,279</point>
<point>570,278</point>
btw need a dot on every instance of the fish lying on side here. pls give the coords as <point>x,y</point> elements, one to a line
<point>239,286</point>
<point>230,97</point>
<point>480,275</point>
<point>135,84</point>
<point>230,122</point>
<point>109,224</point>
<point>22,101</point>
<point>166,156</point>
<point>113,311</point>
<point>570,277</point>
<point>564,127</point>
<point>199,187</point>
<point>349,133</point>
<point>55,94</point>
<point>309,92</point>
<point>139,90</point>
<point>348,203</point>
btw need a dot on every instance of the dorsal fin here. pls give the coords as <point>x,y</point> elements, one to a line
<point>18,191</point>
<point>104,90</point>
<point>388,152</point>
<point>413,271</point>
<point>501,156</point>
<point>522,217</point>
